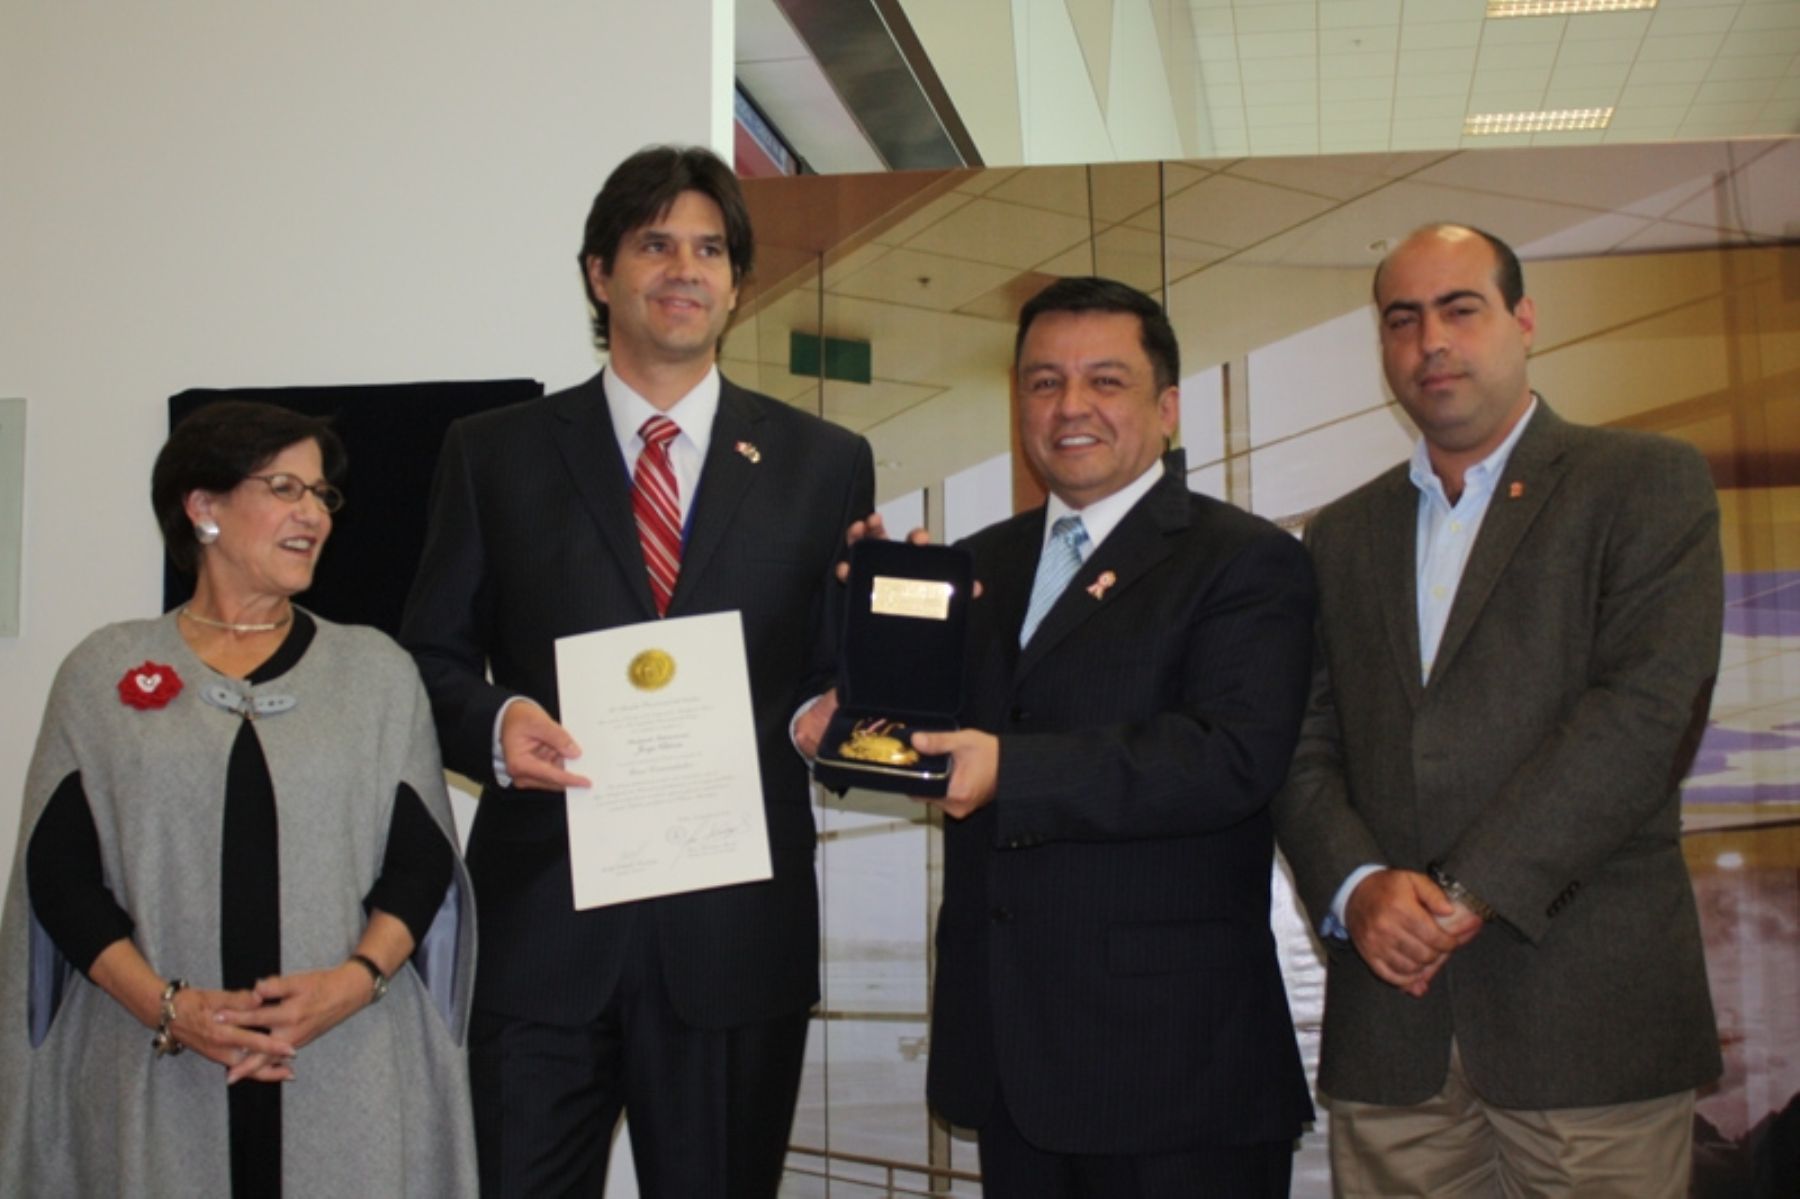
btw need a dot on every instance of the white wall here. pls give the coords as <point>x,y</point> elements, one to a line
<point>213,194</point>
<point>208,193</point>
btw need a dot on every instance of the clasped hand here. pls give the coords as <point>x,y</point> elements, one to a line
<point>282,1015</point>
<point>221,1026</point>
<point>1406,928</point>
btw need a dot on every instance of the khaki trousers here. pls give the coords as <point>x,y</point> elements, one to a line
<point>1454,1146</point>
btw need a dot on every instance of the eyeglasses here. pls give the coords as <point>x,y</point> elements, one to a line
<point>291,489</point>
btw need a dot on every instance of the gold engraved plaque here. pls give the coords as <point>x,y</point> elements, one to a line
<point>922,599</point>
<point>651,670</point>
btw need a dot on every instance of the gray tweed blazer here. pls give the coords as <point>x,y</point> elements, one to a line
<point>1539,762</point>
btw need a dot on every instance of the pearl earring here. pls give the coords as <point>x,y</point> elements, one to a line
<point>206,530</point>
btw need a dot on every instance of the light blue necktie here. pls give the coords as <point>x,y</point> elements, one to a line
<point>1060,560</point>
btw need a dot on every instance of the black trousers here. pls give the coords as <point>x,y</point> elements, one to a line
<point>709,1110</point>
<point>1014,1168</point>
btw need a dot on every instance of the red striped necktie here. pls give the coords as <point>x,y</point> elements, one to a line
<point>653,501</point>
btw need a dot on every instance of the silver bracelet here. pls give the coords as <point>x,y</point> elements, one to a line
<point>164,1042</point>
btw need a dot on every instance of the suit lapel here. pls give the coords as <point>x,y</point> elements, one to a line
<point>1393,548</point>
<point>1135,545</point>
<point>596,467</point>
<point>1531,474</point>
<point>724,478</point>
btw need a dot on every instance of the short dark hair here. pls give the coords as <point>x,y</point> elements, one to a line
<point>642,189</point>
<point>1509,276</point>
<point>219,446</point>
<point>1089,293</point>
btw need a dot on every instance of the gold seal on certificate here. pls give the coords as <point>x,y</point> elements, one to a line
<point>651,670</point>
<point>873,741</point>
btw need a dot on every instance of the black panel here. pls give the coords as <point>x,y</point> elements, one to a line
<point>393,433</point>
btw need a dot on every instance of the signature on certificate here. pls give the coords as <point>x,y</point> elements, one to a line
<point>699,836</point>
<point>632,859</point>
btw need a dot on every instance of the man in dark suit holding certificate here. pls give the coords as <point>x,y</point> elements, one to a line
<point>655,488</point>
<point>1518,634</point>
<point>1109,1012</point>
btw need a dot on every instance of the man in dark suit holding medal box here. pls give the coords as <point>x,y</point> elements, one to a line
<point>1109,1012</point>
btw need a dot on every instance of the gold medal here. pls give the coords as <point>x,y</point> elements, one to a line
<point>872,741</point>
<point>651,670</point>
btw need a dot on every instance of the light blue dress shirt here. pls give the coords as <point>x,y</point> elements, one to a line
<point>1102,516</point>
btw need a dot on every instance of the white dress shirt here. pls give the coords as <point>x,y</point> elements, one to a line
<point>1102,516</point>
<point>693,414</point>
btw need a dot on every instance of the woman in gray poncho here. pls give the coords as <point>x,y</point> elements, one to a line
<point>235,842</point>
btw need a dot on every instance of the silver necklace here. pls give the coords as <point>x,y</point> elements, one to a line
<point>209,622</point>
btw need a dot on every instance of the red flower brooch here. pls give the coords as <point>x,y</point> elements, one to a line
<point>151,685</point>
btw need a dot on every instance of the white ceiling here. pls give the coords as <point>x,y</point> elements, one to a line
<point>1387,74</point>
<point>1284,77</point>
<point>781,75</point>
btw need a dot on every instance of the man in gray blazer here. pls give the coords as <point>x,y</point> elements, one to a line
<point>1518,636</point>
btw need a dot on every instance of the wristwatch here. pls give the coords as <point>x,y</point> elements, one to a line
<point>376,977</point>
<point>1455,892</point>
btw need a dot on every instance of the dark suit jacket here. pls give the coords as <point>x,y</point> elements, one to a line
<point>1539,763</point>
<point>532,538</point>
<point>1104,949</point>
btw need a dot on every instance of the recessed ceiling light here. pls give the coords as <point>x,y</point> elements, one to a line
<point>1562,8</point>
<point>1552,120</point>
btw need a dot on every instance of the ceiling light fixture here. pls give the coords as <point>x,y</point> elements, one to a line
<point>1555,120</point>
<point>1562,8</point>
